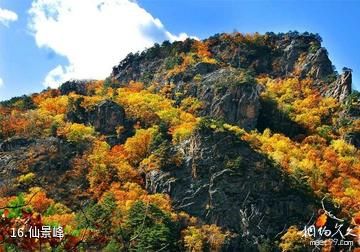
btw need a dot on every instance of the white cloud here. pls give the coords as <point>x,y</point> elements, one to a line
<point>58,75</point>
<point>7,16</point>
<point>94,35</point>
<point>1,82</point>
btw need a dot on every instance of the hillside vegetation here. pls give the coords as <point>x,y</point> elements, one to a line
<point>233,143</point>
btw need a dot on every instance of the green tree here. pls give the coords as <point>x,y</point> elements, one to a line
<point>151,229</point>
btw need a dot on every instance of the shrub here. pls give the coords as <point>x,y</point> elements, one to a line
<point>26,178</point>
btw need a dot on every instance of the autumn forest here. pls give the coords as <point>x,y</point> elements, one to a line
<point>147,159</point>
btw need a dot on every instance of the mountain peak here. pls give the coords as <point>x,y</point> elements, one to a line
<point>276,55</point>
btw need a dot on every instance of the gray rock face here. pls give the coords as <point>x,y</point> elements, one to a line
<point>277,55</point>
<point>49,158</point>
<point>106,116</point>
<point>317,65</point>
<point>76,113</point>
<point>290,56</point>
<point>341,88</point>
<point>224,181</point>
<point>353,138</point>
<point>200,68</point>
<point>14,143</point>
<point>144,66</point>
<point>221,89</point>
<point>228,95</point>
<point>203,68</point>
<point>76,86</point>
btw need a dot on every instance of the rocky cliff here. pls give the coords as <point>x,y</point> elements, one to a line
<point>276,55</point>
<point>224,181</point>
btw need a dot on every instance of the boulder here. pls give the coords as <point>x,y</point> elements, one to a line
<point>229,95</point>
<point>76,113</point>
<point>106,116</point>
<point>76,86</point>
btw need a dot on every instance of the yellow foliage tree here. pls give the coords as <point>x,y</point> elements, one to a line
<point>138,147</point>
<point>76,132</point>
<point>293,240</point>
<point>195,238</point>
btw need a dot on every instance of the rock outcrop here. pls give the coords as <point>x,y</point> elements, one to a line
<point>341,88</point>
<point>317,65</point>
<point>224,181</point>
<point>14,143</point>
<point>227,94</point>
<point>76,113</point>
<point>76,86</point>
<point>48,158</point>
<point>278,55</point>
<point>353,138</point>
<point>106,116</point>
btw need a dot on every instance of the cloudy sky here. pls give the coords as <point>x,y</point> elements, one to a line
<point>45,42</point>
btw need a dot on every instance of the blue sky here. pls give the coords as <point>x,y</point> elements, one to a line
<point>84,38</point>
